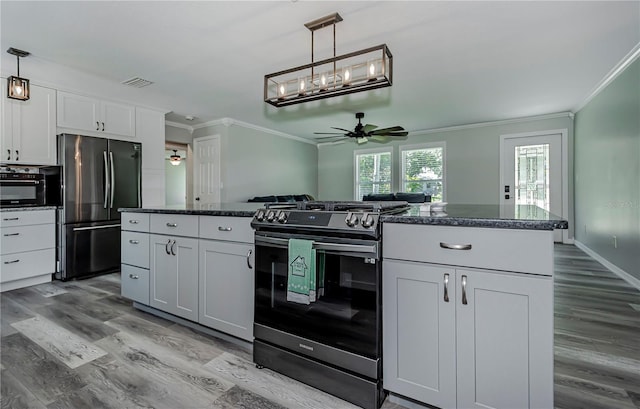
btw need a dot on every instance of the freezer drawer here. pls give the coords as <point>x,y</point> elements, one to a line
<point>89,249</point>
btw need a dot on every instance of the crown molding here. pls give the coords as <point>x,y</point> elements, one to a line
<point>626,61</point>
<point>493,123</point>
<point>230,121</point>
<point>179,125</point>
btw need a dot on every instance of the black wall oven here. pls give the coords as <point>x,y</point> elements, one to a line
<point>334,343</point>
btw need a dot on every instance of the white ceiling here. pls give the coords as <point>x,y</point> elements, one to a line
<point>454,62</point>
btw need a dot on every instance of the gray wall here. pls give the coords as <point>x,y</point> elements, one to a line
<point>607,169</point>
<point>256,163</point>
<point>179,135</point>
<point>472,168</point>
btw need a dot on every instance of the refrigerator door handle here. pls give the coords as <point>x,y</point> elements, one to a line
<point>106,179</point>
<point>113,179</point>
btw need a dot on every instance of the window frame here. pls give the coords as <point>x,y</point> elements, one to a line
<point>427,145</point>
<point>370,151</point>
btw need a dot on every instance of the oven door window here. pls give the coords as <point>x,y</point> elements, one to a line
<point>21,192</point>
<point>346,316</point>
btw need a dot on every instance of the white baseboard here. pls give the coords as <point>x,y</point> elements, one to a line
<point>614,269</point>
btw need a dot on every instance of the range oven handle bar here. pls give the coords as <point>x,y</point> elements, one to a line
<point>318,245</point>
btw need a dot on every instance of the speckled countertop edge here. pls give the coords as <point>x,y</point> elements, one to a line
<point>195,212</point>
<point>477,222</point>
<point>27,208</point>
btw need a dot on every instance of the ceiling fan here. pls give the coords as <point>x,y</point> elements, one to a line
<point>364,133</point>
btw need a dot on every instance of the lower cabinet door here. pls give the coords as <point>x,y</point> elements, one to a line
<point>226,287</point>
<point>173,275</point>
<point>419,332</point>
<point>134,283</point>
<point>505,340</point>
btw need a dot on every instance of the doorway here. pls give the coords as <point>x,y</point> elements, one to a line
<point>176,173</point>
<point>534,171</point>
<point>206,158</point>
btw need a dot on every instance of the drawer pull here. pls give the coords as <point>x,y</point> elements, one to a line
<point>249,259</point>
<point>133,276</point>
<point>11,218</point>
<point>12,261</point>
<point>11,234</point>
<point>220,228</point>
<point>134,241</point>
<point>450,246</point>
<point>446,288</point>
<point>464,290</point>
<point>173,247</point>
<point>134,221</point>
<point>166,247</point>
<point>172,224</point>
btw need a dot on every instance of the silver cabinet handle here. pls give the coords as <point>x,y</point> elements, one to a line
<point>103,126</point>
<point>97,126</point>
<point>173,247</point>
<point>134,276</point>
<point>449,246</point>
<point>134,221</point>
<point>166,247</point>
<point>8,154</point>
<point>134,241</point>
<point>249,259</point>
<point>172,224</point>
<point>11,218</point>
<point>17,155</point>
<point>11,234</point>
<point>11,262</point>
<point>220,228</point>
<point>464,290</point>
<point>446,288</point>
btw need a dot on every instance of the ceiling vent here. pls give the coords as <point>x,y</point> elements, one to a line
<point>137,82</point>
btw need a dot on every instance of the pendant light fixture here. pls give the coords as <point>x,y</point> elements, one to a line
<point>18,88</point>
<point>362,70</point>
<point>175,158</point>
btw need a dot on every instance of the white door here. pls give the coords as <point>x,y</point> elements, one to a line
<point>532,173</point>
<point>206,169</point>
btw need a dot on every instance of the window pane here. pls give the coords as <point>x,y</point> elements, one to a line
<point>532,175</point>
<point>373,171</point>
<point>422,172</point>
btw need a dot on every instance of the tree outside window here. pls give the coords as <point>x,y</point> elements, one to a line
<point>373,173</point>
<point>423,170</point>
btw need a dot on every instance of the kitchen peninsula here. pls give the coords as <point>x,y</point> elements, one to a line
<point>467,293</point>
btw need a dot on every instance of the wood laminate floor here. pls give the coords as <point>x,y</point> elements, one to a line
<point>80,345</point>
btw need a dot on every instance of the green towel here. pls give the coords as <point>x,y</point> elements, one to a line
<point>301,280</point>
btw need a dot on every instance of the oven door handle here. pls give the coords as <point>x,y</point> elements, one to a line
<point>318,245</point>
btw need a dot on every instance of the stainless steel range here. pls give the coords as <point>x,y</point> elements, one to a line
<point>334,342</point>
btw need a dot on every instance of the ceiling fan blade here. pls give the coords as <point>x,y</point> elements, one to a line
<point>329,137</point>
<point>387,130</point>
<point>396,134</point>
<point>368,128</point>
<point>327,133</point>
<point>341,129</point>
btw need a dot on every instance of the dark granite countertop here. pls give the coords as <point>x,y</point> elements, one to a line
<point>204,209</point>
<point>492,216</point>
<point>27,208</point>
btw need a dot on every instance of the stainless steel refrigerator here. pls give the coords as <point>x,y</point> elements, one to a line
<point>98,176</point>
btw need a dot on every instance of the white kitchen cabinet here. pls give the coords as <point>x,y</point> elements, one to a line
<point>95,116</point>
<point>226,275</point>
<point>173,275</point>
<point>29,128</point>
<point>27,248</point>
<point>226,287</point>
<point>458,336</point>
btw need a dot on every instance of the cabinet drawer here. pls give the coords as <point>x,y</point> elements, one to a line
<point>135,249</point>
<point>27,238</point>
<point>135,283</point>
<point>17,266</point>
<point>497,249</point>
<point>135,221</point>
<point>226,228</point>
<point>175,224</point>
<point>27,217</point>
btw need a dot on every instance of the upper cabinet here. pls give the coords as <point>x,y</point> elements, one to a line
<point>94,115</point>
<point>29,128</point>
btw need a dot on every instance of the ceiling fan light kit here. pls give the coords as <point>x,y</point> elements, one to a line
<point>175,158</point>
<point>358,71</point>
<point>17,87</point>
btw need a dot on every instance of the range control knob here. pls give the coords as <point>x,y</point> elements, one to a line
<point>367,220</point>
<point>260,215</point>
<point>271,215</point>
<point>351,219</point>
<point>282,217</point>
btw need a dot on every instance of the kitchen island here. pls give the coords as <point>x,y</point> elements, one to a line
<point>467,293</point>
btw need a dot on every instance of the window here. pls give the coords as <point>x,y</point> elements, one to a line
<point>423,170</point>
<point>373,172</point>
